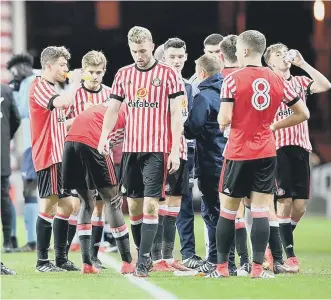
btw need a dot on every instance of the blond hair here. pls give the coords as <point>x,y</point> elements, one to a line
<point>209,63</point>
<point>254,40</point>
<point>94,59</point>
<point>52,53</point>
<point>272,49</point>
<point>139,35</point>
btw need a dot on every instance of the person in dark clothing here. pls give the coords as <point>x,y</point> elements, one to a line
<point>202,125</point>
<point>10,121</point>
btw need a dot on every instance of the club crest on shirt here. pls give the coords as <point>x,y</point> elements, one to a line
<point>298,89</point>
<point>141,93</point>
<point>156,82</point>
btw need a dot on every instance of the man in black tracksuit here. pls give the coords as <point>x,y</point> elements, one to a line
<point>202,125</point>
<point>10,121</point>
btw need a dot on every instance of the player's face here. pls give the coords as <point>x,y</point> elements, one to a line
<point>17,72</point>
<point>176,58</point>
<point>277,62</point>
<point>213,49</point>
<point>142,53</point>
<point>59,69</point>
<point>96,74</point>
<point>241,53</point>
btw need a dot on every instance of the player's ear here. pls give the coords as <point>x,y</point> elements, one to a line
<point>153,46</point>
<point>185,56</point>
<point>246,51</point>
<point>222,57</point>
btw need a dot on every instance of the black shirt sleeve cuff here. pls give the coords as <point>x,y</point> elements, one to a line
<point>180,93</point>
<point>227,100</point>
<point>309,92</point>
<point>116,97</point>
<point>50,105</point>
<point>292,102</point>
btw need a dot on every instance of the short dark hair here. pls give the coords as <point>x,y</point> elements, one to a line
<point>213,39</point>
<point>174,43</point>
<point>26,59</point>
<point>228,48</point>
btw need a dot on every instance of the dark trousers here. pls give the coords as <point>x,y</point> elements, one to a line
<point>6,210</point>
<point>185,219</point>
<point>210,211</point>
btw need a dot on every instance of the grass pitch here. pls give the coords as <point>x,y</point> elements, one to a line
<point>312,246</point>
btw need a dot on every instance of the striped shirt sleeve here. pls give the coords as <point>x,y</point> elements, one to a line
<point>290,96</point>
<point>117,89</point>
<point>228,90</point>
<point>175,84</point>
<point>45,95</point>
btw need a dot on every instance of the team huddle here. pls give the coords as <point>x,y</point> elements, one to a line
<point>240,127</point>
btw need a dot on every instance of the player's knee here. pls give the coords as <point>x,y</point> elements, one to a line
<point>299,209</point>
<point>65,206</point>
<point>98,208</point>
<point>284,207</point>
<point>135,206</point>
<point>151,206</point>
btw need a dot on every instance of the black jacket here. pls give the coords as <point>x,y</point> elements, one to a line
<point>202,125</point>
<point>10,121</point>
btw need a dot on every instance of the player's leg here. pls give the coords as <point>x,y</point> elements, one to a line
<point>241,241</point>
<point>153,170</point>
<point>84,228</point>
<point>115,219</point>
<point>48,200</point>
<point>156,252</point>
<point>30,200</point>
<point>233,185</point>
<point>286,169</point>
<point>97,229</point>
<point>275,244</point>
<point>185,221</point>
<point>73,221</point>
<point>298,211</point>
<point>262,197</point>
<point>6,213</point>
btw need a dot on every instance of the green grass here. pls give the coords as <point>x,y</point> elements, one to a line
<point>313,248</point>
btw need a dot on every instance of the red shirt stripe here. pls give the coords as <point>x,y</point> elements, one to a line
<point>147,94</point>
<point>47,125</point>
<point>297,135</point>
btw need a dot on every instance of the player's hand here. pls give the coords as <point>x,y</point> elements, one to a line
<point>103,147</point>
<point>76,76</point>
<point>117,201</point>
<point>272,127</point>
<point>222,128</point>
<point>173,162</point>
<point>298,59</point>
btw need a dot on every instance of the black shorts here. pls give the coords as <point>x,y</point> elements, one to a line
<point>177,184</point>
<point>293,173</point>
<point>85,168</point>
<point>143,174</point>
<point>240,177</point>
<point>50,182</point>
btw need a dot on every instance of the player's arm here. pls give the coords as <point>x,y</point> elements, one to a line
<point>228,91</point>
<point>197,117</point>
<point>116,98</point>
<point>319,82</point>
<point>64,100</point>
<point>300,110</point>
<point>224,117</point>
<point>69,122</point>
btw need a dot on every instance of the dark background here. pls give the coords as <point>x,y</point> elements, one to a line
<point>74,24</point>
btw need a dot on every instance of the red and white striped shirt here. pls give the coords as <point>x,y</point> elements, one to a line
<point>85,98</point>
<point>47,125</point>
<point>297,135</point>
<point>148,94</point>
